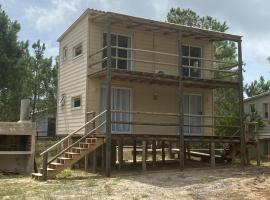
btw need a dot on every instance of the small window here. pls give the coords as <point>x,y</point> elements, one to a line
<point>65,52</point>
<point>265,110</point>
<point>77,50</point>
<point>252,108</point>
<point>76,102</point>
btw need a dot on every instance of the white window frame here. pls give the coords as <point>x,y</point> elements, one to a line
<point>131,52</point>
<point>73,101</point>
<point>76,46</point>
<point>130,105</point>
<point>263,111</point>
<point>65,53</point>
<point>249,107</point>
<point>189,58</point>
<point>202,119</point>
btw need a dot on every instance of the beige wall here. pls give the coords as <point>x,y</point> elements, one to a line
<point>149,41</point>
<point>143,100</point>
<point>72,79</point>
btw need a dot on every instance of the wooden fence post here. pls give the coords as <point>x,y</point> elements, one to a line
<point>44,170</point>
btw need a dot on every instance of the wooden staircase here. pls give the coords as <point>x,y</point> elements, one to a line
<point>70,157</point>
<point>72,153</point>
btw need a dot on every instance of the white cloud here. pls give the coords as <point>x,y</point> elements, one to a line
<point>50,18</point>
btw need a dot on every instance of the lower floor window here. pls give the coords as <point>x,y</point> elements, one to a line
<point>120,101</point>
<point>76,102</point>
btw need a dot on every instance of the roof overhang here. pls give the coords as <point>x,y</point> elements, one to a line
<point>151,25</point>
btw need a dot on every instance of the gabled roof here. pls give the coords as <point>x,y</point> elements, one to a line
<point>101,15</point>
<point>257,96</point>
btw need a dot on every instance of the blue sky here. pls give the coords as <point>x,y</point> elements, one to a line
<point>48,19</point>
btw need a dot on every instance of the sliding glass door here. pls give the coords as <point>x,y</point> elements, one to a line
<point>192,111</point>
<point>120,100</point>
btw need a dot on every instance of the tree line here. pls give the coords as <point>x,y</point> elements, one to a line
<point>24,74</point>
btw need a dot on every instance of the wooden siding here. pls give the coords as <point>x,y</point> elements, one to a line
<point>72,79</point>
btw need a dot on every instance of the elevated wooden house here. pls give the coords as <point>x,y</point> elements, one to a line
<point>128,80</point>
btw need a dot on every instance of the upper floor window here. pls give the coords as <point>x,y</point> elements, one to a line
<point>120,56</point>
<point>76,102</point>
<point>252,108</point>
<point>65,53</point>
<point>192,61</point>
<point>265,111</point>
<point>77,50</point>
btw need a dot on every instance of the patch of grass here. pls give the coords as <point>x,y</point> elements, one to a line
<point>91,182</point>
<point>145,196</point>
<point>64,174</point>
<point>108,189</point>
<point>135,198</point>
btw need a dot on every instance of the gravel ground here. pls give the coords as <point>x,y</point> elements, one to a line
<point>221,183</point>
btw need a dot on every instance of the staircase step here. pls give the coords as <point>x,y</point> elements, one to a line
<point>36,176</point>
<point>72,153</point>
<point>91,140</point>
<point>64,158</point>
<point>48,170</point>
<point>78,149</point>
<point>83,144</point>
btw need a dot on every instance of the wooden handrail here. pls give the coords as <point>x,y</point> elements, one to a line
<point>72,133</point>
<point>171,114</point>
<point>75,143</point>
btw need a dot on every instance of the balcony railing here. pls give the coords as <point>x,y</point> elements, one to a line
<point>164,63</point>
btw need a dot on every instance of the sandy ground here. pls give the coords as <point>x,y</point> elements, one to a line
<point>221,183</point>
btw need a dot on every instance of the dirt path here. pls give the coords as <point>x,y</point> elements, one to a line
<point>225,183</point>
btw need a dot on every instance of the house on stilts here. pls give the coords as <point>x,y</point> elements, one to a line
<point>130,82</point>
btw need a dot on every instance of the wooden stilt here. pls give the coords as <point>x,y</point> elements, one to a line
<point>258,153</point>
<point>241,105</point>
<point>154,153</point>
<point>134,152</point>
<point>180,101</point>
<point>188,151</point>
<point>170,150</point>
<point>108,96</point>
<point>44,170</point>
<point>144,146</point>
<point>113,153</point>
<point>247,156</point>
<point>86,162</point>
<point>103,156</point>
<point>120,153</point>
<point>163,151</point>
<point>233,154</point>
<point>212,154</point>
<point>94,161</point>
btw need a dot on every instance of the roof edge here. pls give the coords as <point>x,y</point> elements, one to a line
<point>257,96</point>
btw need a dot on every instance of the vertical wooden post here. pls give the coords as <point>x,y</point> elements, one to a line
<point>233,154</point>
<point>103,156</point>
<point>44,170</point>
<point>120,153</point>
<point>180,102</point>
<point>108,103</point>
<point>212,154</point>
<point>163,151</point>
<point>241,104</point>
<point>170,150</point>
<point>94,161</point>
<point>188,151</point>
<point>154,153</point>
<point>134,152</point>
<point>258,152</point>
<point>144,146</point>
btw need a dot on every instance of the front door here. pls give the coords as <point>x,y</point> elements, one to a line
<point>192,112</point>
<point>120,101</point>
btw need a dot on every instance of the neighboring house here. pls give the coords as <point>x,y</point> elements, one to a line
<point>260,104</point>
<point>161,79</point>
<point>45,125</point>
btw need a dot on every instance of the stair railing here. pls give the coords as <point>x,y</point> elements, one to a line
<point>46,152</point>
